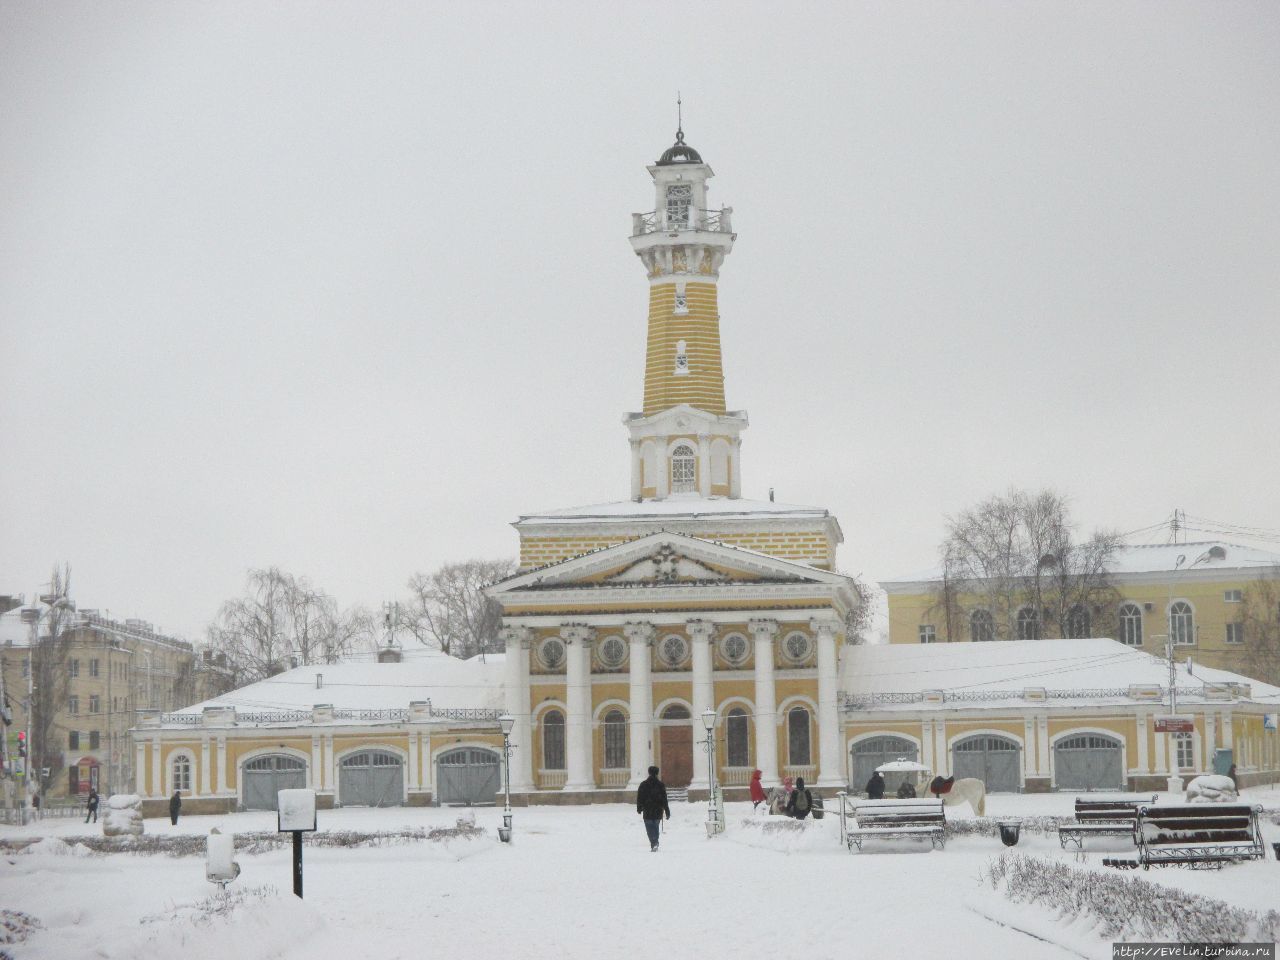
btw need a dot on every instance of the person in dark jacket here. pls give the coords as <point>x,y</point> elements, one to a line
<point>801,803</point>
<point>906,791</point>
<point>651,804</point>
<point>757,790</point>
<point>875,787</point>
<point>175,806</point>
<point>91,808</point>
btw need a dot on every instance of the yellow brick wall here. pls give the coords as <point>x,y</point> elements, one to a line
<point>703,385</point>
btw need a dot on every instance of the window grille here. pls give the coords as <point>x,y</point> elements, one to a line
<point>738,738</point>
<point>679,202</point>
<point>734,649</point>
<point>797,646</point>
<point>182,773</point>
<point>612,651</point>
<point>683,470</point>
<point>615,740</point>
<point>798,737</point>
<point>674,650</point>
<point>553,741</point>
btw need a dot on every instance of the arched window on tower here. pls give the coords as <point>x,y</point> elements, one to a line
<point>682,359</point>
<point>684,472</point>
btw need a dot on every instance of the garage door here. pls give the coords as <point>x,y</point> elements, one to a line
<point>264,777</point>
<point>468,775</point>
<point>371,778</point>
<point>993,760</point>
<point>1088,762</point>
<point>872,752</point>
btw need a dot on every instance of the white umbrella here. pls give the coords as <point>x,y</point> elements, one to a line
<point>901,765</point>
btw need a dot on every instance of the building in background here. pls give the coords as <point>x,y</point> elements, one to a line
<point>106,671</point>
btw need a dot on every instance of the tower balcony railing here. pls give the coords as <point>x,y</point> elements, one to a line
<point>660,221</point>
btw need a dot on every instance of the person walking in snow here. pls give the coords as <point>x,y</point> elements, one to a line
<point>875,787</point>
<point>91,808</point>
<point>651,804</point>
<point>757,790</point>
<point>175,806</point>
<point>801,802</point>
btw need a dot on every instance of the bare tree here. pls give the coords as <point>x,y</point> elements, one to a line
<point>859,620</point>
<point>1260,617</point>
<point>282,621</point>
<point>50,677</point>
<point>447,608</point>
<point>1016,557</point>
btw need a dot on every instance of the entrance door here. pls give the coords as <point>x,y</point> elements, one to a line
<point>371,778</point>
<point>677,756</point>
<point>1088,761</point>
<point>468,775</point>
<point>264,777</point>
<point>993,760</point>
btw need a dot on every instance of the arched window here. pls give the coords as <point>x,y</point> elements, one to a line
<point>553,741</point>
<point>981,626</point>
<point>1028,624</point>
<point>1079,623</point>
<point>615,740</point>
<point>1131,624</point>
<point>798,753</point>
<point>684,472</point>
<point>1182,623</point>
<point>182,774</point>
<point>738,737</point>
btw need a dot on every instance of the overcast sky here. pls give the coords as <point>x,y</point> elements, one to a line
<point>346,288</point>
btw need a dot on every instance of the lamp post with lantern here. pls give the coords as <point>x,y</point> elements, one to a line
<point>714,825</point>
<point>507,722</point>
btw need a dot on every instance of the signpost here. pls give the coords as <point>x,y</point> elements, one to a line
<point>297,811</point>
<point>1173,723</point>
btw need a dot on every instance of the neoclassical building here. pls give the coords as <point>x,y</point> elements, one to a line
<point>628,620</point>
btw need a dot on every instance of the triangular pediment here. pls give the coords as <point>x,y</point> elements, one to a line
<point>665,560</point>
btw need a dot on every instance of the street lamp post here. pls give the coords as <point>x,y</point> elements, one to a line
<point>713,821</point>
<point>506,722</point>
<point>1175,784</point>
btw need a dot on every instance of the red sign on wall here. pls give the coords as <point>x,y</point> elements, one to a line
<point>1175,724</point>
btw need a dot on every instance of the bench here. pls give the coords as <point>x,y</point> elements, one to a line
<point>891,819</point>
<point>1110,815</point>
<point>1198,835</point>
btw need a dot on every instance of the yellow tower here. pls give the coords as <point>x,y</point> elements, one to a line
<point>685,442</point>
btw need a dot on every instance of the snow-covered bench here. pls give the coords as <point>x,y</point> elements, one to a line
<point>1198,835</point>
<point>1110,815</point>
<point>890,819</point>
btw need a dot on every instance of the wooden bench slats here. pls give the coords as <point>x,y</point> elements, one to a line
<point>1199,834</point>
<point>1104,815</point>
<point>887,819</point>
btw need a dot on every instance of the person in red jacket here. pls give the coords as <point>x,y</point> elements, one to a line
<point>757,790</point>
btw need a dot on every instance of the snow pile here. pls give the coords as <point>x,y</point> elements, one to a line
<point>786,834</point>
<point>123,817</point>
<point>50,847</point>
<point>253,921</point>
<point>1212,789</point>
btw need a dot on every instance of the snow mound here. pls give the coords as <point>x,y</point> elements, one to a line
<point>123,817</point>
<point>1212,789</point>
<point>124,801</point>
<point>50,847</point>
<point>786,835</point>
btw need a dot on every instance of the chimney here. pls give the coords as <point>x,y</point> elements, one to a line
<point>389,655</point>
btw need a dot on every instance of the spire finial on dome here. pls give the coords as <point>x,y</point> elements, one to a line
<point>679,119</point>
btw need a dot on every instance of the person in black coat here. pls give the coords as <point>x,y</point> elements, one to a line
<point>651,804</point>
<point>91,809</point>
<point>875,787</point>
<point>800,805</point>
<point>175,806</point>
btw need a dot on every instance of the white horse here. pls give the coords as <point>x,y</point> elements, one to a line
<point>968,790</point>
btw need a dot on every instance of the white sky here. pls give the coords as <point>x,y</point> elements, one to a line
<point>346,287</point>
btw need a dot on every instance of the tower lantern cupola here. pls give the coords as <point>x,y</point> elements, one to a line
<point>685,442</point>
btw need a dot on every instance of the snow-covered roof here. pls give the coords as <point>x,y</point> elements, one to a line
<point>1154,558</point>
<point>895,676</point>
<point>447,682</point>
<point>680,505</point>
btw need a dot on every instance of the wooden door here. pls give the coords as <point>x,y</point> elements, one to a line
<point>677,756</point>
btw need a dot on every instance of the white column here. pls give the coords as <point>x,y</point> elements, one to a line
<point>704,465</point>
<point>701,632</point>
<point>140,769</point>
<point>636,478</point>
<point>663,480</point>
<point>518,641</point>
<point>330,759</point>
<point>831,772</point>
<point>640,636</point>
<point>1225,722</point>
<point>415,753</point>
<point>577,639</point>
<point>1210,742</point>
<point>764,632</point>
<point>1162,753</point>
<point>220,764</point>
<point>940,755</point>
<point>316,771</point>
<point>205,790</point>
<point>157,772</point>
<point>926,747</point>
<point>1042,746</point>
<point>1143,725</point>
<point>735,469</point>
<point>1029,748</point>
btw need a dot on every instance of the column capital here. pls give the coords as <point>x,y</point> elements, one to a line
<point>639,632</point>
<point>521,636</point>
<point>824,626</point>
<point>577,633</point>
<point>700,629</point>
<point>763,629</point>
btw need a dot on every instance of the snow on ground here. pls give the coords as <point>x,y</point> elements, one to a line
<point>578,882</point>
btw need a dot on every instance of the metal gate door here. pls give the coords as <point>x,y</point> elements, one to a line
<point>467,775</point>
<point>264,777</point>
<point>871,753</point>
<point>1088,762</point>
<point>371,778</point>
<point>993,760</point>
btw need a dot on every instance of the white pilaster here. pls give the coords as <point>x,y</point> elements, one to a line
<point>1162,753</point>
<point>926,746</point>
<point>223,786</point>
<point>140,770</point>
<point>518,641</point>
<point>764,632</point>
<point>415,767</point>
<point>735,469</point>
<point>1042,746</point>
<point>329,759</point>
<point>636,477</point>
<point>1030,748</point>
<point>831,771</point>
<point>577,639</point>
<point>157,771</point>
<point>640,636</point>
<point>1225,722</point>
<point>205,789</point>
<point>1210,742</point>
<point>704,465</point>
<point>703,699</point>
<point>663,479</point>
<point>1143,724</point>
<point>940,754</point>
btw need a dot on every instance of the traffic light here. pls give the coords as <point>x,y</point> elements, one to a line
<point>22,743</point>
